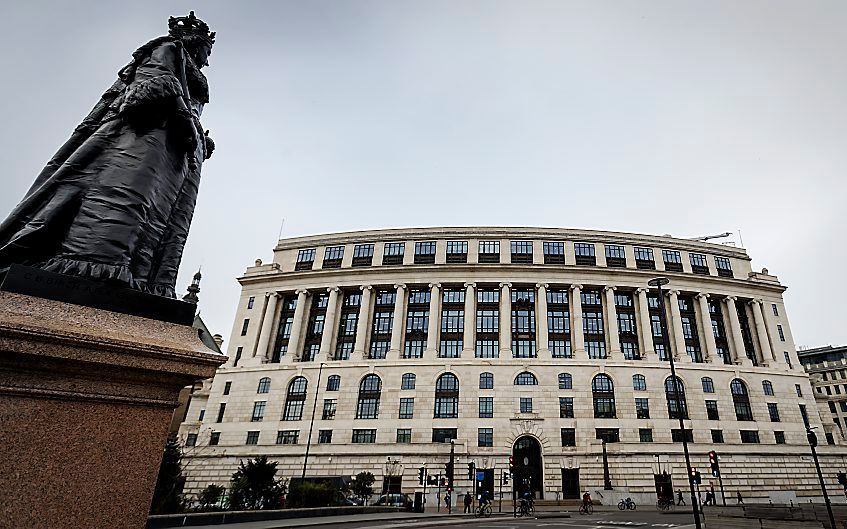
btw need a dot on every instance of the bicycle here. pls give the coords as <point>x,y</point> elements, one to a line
<point>483,511</point>
<point>665,504</point>
<point>526,508</point>
<point>626,504</point>
<point>586,508</point>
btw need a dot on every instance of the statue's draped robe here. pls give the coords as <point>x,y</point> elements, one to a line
<point>116,200</point>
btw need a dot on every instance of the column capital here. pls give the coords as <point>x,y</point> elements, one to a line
<point>608,288</point>
<point>672,293</point>
<point>542,285</point>
<point>731,298</point>
<point>575,287</point>
<point>470,285</point>
<point>274,294</point>
<point>333,289</point>
<point>702,295</point>
<point>754,302</point>
<point>509,285</point>
<point>400,286</point>
<point>366,287</point>
<point>642,290</point>
<point>301,291</point>
<point>434,285</point>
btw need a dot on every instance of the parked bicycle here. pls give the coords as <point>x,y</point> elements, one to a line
<point>626,504</point>
<point>665,504</point>
<point>483,510</point>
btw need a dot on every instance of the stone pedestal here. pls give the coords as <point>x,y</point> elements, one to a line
<point>86,396</point>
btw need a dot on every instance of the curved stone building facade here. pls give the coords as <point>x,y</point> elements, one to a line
<point>540,345</point>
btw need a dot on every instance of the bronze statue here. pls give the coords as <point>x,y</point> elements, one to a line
<point>115,202</point>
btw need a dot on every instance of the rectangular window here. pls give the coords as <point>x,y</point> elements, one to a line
<point>201,415</point>
<point>287,437</point>
<point>781,333</point>
<point>699,265</point>
<point>566,408</point>
<point>250,302</point>
<point>457,251</point>
<point>489,251</point>
<point>798,389</point>
<point>644,258</point>
<point>485,437</point>
<point>487,323</point>
<point>324,436</point>
<point>191,439</point>
<point>329,409</point>
<point>554,252</point>
<point>712,410</point>
<point>363,255</point>
<point>568,437</point>
<point>407,381</point>
<point>779,437</point>
<point>404,435</point>
<point>486,381</point>
<point>407,408</point>
<point>642,408</point>
<point>615,256</point>
<point>723,266</point>
<point>252,438</point>
<point>526,404</point>
<point>676,435</point>
<point>244,326</point>
<point>773,411</point>
<point>227,387</point>
<point>425,252</point>
<point>332,257</point>
<point>749,436</point>
<point>673,260</point>
<point>215,438</point>
<point>393,253</point>
<point>521,251</point>
<point>443,435</point>
<point>486,407</point>
<point>717,436</point>
<point>258,411</point>
<point>610,435</point>
<point>584,253</point>
<point>305,259</point>
<point>645,435</point>
<point>364,436</point>
<point>221,411</point>
<point>775,310</point>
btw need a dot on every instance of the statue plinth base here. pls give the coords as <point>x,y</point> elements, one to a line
<point>86,397</point>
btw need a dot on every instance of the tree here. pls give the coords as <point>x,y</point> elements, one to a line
<point>311,494</point>
<point>210,498</point>
<point>167,496</point>
<point>363,485</point>
<point>255,486</point>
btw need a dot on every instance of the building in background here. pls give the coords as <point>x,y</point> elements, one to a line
<point>533,345</point>
<point>827,368</point>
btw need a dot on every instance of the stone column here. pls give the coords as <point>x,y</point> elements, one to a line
<point>433,327</point>
<point>469,335</point>
<point>330,331</point>
<point>770,328</point>
<point>397,324</point>
<point>762,333</point>
<point>611,317</point>
<point>645,328</point>
<point>542,333</point>
<point>294,351</point>
<point>505,319</point>
<point>735,331</point>
<point>676,324</point>
<point>577,333</point>
<point>706,333</point>
<point>359,349</point>
<point>261,351</point>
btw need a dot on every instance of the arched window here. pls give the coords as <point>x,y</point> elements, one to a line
<point>741,399</point>
<point>526,379</point>
<point>708,385</point>
<point>639,383</point>
<point>676,408</point>
<point>407,381</point>
<point>333,383</point>
<point>369,390</point>
<point>486,381</point>
<point>264,385</point>
<point>604,396</point>
<point>767,387</point>
<point>565,381</point>
<point>447,397</point>
<point>295,397</point>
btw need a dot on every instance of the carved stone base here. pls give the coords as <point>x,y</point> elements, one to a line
<point>86,396</point>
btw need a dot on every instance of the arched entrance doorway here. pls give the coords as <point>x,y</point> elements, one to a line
<point>528,471</point>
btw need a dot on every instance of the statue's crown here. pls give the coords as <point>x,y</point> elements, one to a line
<point>190,26</point>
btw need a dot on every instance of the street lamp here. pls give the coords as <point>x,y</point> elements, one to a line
<point>658,282</point>
<point>813,442</point>
<point>312,423</point>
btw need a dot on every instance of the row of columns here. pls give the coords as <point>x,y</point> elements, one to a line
<point>643,322</point>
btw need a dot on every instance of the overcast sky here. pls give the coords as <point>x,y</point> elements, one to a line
<point>689,118</point>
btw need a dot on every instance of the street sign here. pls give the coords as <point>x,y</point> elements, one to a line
<point>480,476</point>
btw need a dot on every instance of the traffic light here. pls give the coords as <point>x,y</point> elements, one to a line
<point>511,464</point>
<point>694,475</point>
<point>713,463</point>
<point>443,481</point>
<point>421,474</point>
<point>471,469</point>
<point>842,479</point>
<point>813,439</point>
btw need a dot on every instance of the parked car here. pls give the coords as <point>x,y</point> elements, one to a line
<point>394,500</point>
<point>352,499</point>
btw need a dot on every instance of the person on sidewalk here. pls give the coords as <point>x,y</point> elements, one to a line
<point>447,499</point>
<point>738,498</point>
<point>679,499</point>
<point>468,502</point>
<point>708,498</point>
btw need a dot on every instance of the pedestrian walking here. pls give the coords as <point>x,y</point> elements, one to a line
<point>738,498</point>
<point>709,498</point>
<point>679,499</point>
<point>447,499</point>
<point>468,502</point>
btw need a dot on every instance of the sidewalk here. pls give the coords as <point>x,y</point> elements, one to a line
<point>390,521</point>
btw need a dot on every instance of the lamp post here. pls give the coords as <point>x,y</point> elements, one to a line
<point>311,424</point>
<point>813,442</point>
<point>607,480</point>
<point>658,283</point>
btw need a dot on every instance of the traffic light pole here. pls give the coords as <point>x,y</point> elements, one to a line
<point>723,494</point>
<point>813,441</point>
<point>500,507</point>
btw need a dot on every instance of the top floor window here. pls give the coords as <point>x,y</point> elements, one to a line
<point>673,260</point>
<point>644,258</point>
<point>487,296</point>
<point>699,265</point>
<point>554,252</point>
<point>333,256</point>
<point>425,252</point>
<point>526,379</point>
<point>305,258</point>
<point>252,299</point>
<point>723,266</point>
<point>615,256</point>
<point>522,251</point>
<point>453,295</point>
<point>393,254</point>
<point>584,253</point>
<point>363,254</point>
<point>489,251</point>
<point>419,297</point>
<point>457,251</point>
